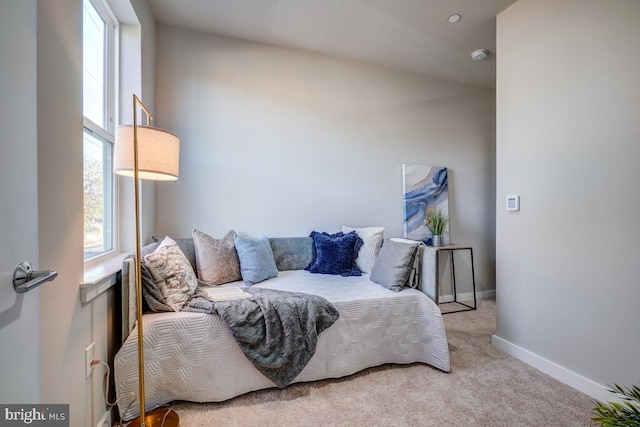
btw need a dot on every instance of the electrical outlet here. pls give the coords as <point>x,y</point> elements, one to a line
<point>89,355</point>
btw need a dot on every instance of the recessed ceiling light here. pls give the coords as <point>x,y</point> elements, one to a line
<point>454,18</point>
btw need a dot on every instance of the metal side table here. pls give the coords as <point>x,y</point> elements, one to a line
<point>451,249</point>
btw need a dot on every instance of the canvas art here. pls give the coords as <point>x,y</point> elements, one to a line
<point>425,189</point>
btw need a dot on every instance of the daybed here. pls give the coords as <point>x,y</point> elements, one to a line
<point>193,356</point>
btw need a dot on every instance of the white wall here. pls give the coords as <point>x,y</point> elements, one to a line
<point>138,52</point>
<point>148,77</point>
<point>67,327</point>
<point>147,95</point>
<point>282,142</point>
<point>568,98</point>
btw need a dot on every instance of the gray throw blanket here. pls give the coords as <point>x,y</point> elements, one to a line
<point>276,330</point>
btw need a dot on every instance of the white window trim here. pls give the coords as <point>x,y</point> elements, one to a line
<point>100,276</point>
<point>100,272</point>
<point>96,260</point>
<point>107,134</point>
<point>97,130</point>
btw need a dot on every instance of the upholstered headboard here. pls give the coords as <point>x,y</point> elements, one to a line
<point>129,313</point>
<point>290,253</point>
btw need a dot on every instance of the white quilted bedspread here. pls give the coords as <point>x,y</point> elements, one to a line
<point>193,356</point>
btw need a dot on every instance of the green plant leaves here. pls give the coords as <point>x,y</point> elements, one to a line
<point>614,414</point>
<point>436,222</point>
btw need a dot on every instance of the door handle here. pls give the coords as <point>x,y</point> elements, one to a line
<point>25,278</point>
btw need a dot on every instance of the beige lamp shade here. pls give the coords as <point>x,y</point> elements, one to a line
<point>158,153</point>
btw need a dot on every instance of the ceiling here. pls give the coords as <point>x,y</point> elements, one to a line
<point>411,35</point>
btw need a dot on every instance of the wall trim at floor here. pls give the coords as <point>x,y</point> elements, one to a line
<point>560,373</point>
<point>469,296</point>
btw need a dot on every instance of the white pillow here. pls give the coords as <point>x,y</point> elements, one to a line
<point>173,272</point>
<point>372,238</point>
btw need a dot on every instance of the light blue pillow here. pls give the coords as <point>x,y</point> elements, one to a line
<point>256,259</point>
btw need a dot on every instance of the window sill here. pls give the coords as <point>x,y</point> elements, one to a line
<point>100,276</point>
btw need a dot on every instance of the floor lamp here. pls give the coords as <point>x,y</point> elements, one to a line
<point>145,152</point>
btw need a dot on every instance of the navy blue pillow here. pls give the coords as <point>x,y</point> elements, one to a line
<point>335,253</point>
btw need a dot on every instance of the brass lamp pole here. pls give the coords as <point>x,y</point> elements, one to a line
<point>145,152</point>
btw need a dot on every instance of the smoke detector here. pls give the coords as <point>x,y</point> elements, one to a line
<point>479,54</point>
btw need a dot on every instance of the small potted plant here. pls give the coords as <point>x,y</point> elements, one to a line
<point>626,413</point>
<point>436,222</point>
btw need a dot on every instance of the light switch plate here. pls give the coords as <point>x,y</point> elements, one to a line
<point>513,203</point>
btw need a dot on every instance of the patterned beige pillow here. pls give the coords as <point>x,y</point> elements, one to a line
<point>216,259</point>
<point>173,273</point>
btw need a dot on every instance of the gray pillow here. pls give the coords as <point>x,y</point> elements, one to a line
<point>394,264</point>
<point>256,259</point>
<point>291,253</point>
<point>217,259</point>
<point>151,247</point>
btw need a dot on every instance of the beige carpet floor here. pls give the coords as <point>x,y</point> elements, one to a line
<point>485,388</point>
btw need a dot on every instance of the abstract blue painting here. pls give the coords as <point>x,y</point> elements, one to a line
<point>425,189</point>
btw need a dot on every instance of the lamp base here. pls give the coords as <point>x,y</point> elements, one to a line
<point>155,418</point>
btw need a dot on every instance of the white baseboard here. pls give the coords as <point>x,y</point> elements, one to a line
<point>469,296</point>
<point>560,373</point>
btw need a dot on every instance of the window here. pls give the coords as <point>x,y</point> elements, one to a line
<point>99,29</point>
